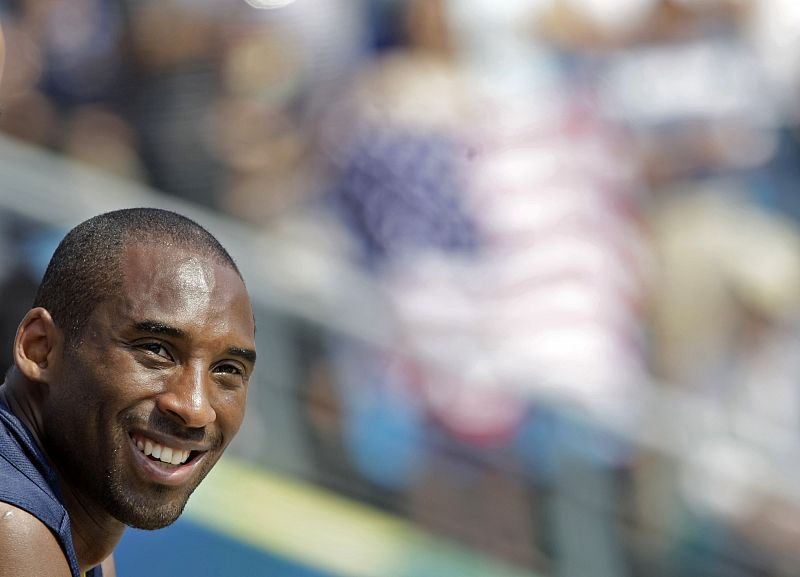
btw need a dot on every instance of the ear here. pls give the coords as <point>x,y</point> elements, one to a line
<point>38,345</point>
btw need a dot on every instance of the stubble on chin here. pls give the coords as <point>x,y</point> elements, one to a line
<point>146,505</point>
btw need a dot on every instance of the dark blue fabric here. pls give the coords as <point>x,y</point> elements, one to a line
<point>29,483</point>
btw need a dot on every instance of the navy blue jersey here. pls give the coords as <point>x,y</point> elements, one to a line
<point>29,483</point>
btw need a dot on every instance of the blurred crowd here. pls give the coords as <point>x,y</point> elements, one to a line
<point>581,216</point>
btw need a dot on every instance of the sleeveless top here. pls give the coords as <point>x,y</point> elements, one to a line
<point>29,483</point>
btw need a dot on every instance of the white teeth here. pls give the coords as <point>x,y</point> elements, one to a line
<point>166,455</point>
<point>178,457</point>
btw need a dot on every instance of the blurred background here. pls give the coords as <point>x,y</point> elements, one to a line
<point>526,272</point>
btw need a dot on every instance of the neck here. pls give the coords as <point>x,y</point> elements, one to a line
<point>94,532</point>
<point>22,398</point>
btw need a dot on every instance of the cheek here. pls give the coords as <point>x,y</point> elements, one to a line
<point>230,409</point>
<point>111,381</point>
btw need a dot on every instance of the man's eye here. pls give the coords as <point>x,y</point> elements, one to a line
<point>229,369</point>
<point>156,349</point>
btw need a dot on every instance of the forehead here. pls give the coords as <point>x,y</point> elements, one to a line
<point>179,286</point>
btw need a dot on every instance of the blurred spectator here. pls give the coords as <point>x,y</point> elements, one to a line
<point>508,247</point>
<point>724,297</point>
<point>98,136</point>
<point>29,115</point>
<point>725,329</point>
<point>206,100</point>
<point>81,44</point>
<point>172,87</point>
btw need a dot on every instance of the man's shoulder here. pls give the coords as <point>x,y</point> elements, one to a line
<point>29,546</point>
<point>23,481</point>
<point>16,522</point>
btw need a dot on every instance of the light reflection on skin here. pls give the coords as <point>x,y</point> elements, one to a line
<point>196,280</point>
<point>197,284</point>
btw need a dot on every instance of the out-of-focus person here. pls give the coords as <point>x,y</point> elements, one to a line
<point>507,245</point>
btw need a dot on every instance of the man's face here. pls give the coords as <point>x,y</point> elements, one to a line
<point>160,375</point>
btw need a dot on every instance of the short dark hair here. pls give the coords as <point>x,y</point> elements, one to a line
<point>85,268</point>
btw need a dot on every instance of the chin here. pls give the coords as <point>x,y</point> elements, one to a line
<point>155,508</point>
<point>146,516</point>
<point>152,524</point>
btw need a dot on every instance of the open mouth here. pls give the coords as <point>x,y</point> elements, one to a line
<point>169,457</point>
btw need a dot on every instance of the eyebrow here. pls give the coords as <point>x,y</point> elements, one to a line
<point>246,354</point>
<point>159,328</point>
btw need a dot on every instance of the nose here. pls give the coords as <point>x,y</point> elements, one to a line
<point>186,398</point>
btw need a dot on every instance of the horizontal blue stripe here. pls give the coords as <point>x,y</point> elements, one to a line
<point>186,548</point>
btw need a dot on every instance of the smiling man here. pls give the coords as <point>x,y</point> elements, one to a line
<point>129,380</point>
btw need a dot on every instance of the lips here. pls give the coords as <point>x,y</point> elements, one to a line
<point>164,462</point>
